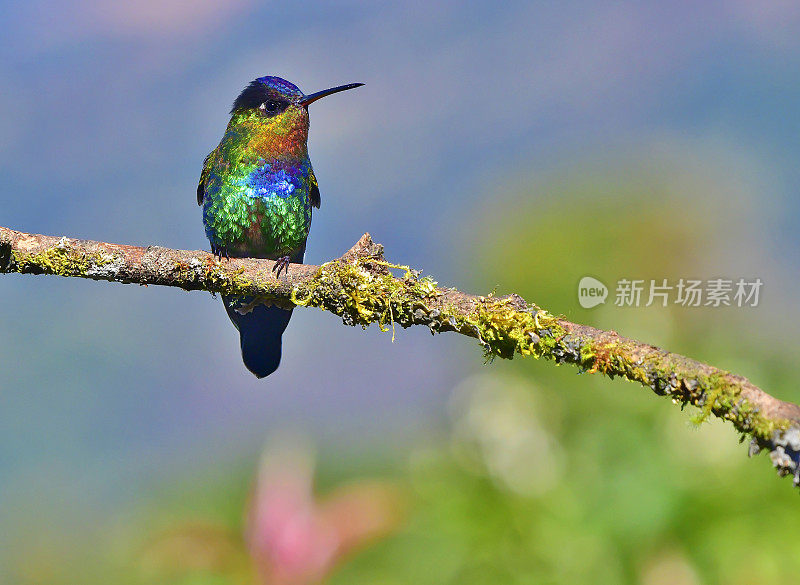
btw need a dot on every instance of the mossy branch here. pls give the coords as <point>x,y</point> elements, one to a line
<point>362,288</point>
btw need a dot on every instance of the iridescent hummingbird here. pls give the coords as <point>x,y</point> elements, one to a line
<point>257,190</point>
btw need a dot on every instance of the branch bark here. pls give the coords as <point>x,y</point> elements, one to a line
<point>362,288</point>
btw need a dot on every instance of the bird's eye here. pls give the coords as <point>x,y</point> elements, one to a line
<point>270,106</point>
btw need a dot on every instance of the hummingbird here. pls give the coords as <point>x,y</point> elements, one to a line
<point>257,190</point>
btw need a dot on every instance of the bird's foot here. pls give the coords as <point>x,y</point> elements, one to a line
<point>219,251</point>
<point>281,263</point>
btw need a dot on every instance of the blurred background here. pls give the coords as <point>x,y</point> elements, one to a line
<point>514,147</point>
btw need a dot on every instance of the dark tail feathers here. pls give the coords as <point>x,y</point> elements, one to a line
<point>260,333</point>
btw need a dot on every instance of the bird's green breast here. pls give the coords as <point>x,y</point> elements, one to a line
<point>255,204</point>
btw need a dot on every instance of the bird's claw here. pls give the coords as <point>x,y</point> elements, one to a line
<point>281,263</point>
<point>219,251</point>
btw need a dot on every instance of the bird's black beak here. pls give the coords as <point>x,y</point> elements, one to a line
<point>309,99</point>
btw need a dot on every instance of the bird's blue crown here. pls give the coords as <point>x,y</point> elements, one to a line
<point>265,88</point>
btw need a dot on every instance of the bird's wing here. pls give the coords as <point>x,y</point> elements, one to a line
<point>201,186</point>
<point>313,191</point>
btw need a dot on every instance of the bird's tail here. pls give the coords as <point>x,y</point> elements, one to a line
<point>260,332</point>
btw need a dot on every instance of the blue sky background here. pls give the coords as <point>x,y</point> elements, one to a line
<point>108,112</point>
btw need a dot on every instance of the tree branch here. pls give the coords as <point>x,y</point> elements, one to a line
<point>362,288</point>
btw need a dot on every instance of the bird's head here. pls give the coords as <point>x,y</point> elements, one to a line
<point>275,114</point>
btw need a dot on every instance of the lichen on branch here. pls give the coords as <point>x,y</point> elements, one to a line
<point>363,288</point>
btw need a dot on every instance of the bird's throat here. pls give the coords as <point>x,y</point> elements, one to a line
<point>282,137</point>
